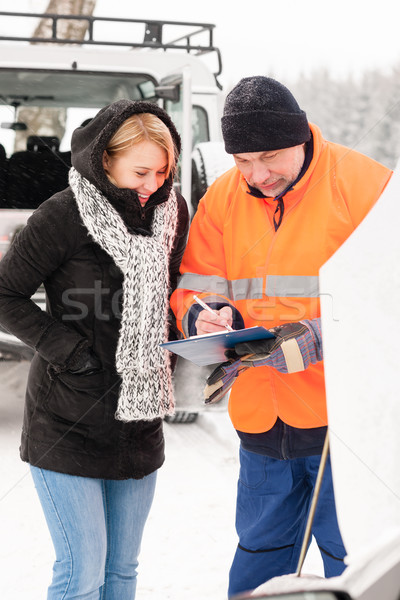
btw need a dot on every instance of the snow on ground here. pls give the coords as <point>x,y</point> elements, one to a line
<point>189,538</point>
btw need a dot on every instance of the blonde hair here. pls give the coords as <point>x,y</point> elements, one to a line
<point>143,127</point>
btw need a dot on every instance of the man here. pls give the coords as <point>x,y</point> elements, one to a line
<point>257,241</point>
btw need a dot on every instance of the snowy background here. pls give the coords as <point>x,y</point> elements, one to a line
<point>288,38</point>
<point>189,538</point>
<point>342,63</point>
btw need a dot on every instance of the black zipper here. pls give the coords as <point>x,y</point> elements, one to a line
<point>283,442</point>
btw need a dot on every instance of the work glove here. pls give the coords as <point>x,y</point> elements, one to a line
<point>293,348</point>
<point>222,379</point>
<point>85,363</point>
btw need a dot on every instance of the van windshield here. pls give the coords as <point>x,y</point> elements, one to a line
<point>39,110</point>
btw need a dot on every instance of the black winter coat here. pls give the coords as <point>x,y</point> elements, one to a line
<point>69,423</point>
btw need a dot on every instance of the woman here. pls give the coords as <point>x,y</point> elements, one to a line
<point>108,250</point>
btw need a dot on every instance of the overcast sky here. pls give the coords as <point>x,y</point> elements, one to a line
<point>282,38</point>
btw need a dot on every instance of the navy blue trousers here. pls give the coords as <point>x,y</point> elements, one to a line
<point>271,514</point>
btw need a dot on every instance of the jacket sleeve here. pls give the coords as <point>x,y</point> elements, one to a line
<point>42,246</point>
<point>203,268</point>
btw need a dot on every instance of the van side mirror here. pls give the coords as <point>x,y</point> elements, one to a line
<point>169,88</point>
<point>168,92</point>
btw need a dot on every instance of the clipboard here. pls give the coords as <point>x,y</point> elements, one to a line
<point>209,348</point>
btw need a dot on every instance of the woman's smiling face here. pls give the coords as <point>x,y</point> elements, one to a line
<point>142,168</point>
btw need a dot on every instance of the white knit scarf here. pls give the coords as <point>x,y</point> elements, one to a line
<point>146,389</point>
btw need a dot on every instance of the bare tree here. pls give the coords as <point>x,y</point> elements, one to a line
<point>51,121</point>
<point>70,29</point>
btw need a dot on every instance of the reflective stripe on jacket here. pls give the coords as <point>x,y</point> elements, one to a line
<point>235,256</point>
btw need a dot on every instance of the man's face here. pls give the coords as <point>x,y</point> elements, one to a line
<point>271,172</point>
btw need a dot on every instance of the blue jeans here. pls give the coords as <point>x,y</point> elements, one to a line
<point>96,526</point>
<point>271,513</point>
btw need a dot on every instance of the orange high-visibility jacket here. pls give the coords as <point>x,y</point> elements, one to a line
<point>235,255</point>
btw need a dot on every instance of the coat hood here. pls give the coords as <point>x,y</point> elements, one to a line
<point>89,142</point>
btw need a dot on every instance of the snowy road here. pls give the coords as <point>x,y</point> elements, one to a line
<point>189,539</point>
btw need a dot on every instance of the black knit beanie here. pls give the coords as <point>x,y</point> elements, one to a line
<point>261,114</point>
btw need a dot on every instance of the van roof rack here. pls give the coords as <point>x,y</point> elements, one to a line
<point>153,34</point>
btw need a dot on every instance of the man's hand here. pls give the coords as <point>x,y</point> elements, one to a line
<point>221,380</point>
<point>85,363</point>
<point>294,347</point>
<point>210,323</point>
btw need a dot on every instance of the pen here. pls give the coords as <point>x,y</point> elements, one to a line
<point>210,310</point>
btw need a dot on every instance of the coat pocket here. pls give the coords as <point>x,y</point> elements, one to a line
<point>79,399</point>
